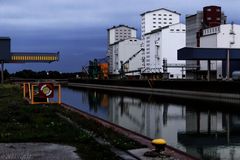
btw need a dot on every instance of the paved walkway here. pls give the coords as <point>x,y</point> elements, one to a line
<point>37,151</point>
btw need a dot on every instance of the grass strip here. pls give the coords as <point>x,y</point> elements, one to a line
<point>22,122</point>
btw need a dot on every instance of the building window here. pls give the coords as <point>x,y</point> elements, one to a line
<point>218,10</point>
<point>218,19</point>
<point>170,15</point>
<point>159,14</point>
<point>165,22</point>
<point>159,22</point>
<point>177,30</point>
<point>154,14</point>
<point>154,26</point>
<point>184,30</point>
<point>154,22</point>
<point>159,18</point>
<point>170,22</point>
<point>209,9</point>
<point>172,30</point>
<point>170,18</point>
<point>209,18</point>
<point>154,18</point>
<point>164,15</point>
<point>165,18</point>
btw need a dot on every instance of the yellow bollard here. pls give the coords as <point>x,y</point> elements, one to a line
<point>159,144</point>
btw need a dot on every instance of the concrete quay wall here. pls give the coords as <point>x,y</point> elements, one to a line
<point>220,91</point>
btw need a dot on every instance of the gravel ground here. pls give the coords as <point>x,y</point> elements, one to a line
<point>37,151</point>
<point>140,154</point>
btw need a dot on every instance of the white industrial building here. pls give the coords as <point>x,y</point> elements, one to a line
<point>161,44</point>
<point>120,32</point>
<point>126,50</point>
<point>158,18</point>
<point>195,23</point>
<point>115,34</point>
<point>223,36</point>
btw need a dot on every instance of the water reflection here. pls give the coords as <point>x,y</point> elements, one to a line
<point>211,134</point>
<point>205,133</point>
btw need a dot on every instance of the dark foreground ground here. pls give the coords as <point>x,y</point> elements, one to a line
<point>21,122</point>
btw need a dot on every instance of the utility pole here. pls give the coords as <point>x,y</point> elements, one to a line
<point>232,33</point>
<point>228,65</point>
<point>157,58</point>
<point>2,70</point>
<point>209,70</point>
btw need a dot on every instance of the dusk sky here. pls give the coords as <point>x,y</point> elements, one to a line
<point>77,28</point>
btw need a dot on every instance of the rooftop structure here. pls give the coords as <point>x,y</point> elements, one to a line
<point>154,19</point>
<point>121,25</point>
<point>120,32</point>
<point>159,10</point>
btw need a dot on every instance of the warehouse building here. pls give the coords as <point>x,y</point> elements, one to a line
<point>223,36</point>
<point>116,34</point>
<point>162,45</point>
<point>129,51</point>
<point>210,16</point>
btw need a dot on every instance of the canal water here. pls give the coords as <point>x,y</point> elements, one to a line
<point>205,130</point>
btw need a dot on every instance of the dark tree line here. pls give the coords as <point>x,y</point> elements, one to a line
<point>29,74</point>
<point>6,75</point>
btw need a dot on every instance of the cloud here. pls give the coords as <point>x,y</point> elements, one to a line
<point>82,13</point>
<point>77,28</point>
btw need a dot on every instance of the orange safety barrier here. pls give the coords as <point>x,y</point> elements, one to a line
<point>41,93</point>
